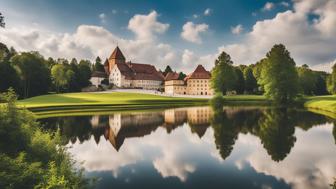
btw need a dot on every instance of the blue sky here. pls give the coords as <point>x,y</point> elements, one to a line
<point>216,20</point>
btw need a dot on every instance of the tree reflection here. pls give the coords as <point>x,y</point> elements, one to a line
<point>277,133</point>
<point>225,133</point>
<point>274,127</point>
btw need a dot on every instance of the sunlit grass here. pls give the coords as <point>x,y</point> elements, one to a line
<point>324,103</point>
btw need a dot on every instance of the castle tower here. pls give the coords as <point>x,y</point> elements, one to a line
<point>116,57</point>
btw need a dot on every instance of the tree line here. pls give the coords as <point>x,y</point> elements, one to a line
<point>276,76</point>
<point>30,74</point>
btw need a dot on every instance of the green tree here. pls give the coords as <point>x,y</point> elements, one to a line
<point>167,70</point>
<point>98,66</point>
<point>4,53</point>
<point>223,74</point>
<point>31,158</point>
<point>84,73</point>
<point>331,81</point>
<point>251,85</point>
<point>279,77</point>
<point>240,83</point>
<point>225,132</point>
<point>307,80</point>
<point>277,133</point>
<point>2,22</point>
<point>321,83</point>
<point>11,77</point>
<point>61,76</point>
<point>182,75</point>
<point>7,72</point>
<point>74,82</point>
<point>33,72</point>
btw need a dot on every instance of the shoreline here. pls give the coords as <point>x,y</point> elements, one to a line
<point>55,105</point>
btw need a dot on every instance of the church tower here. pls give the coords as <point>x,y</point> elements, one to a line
<point>116,57</point>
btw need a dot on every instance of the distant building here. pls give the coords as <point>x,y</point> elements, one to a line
<point>196,83</point>
<point>97,78</point>
<point>132,75</point>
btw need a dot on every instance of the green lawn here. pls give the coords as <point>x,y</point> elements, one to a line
<point>102,103</point>
<point>325,104</point>
<point>86,103</point>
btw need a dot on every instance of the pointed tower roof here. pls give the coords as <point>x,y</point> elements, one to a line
<point>117,54</point>
<point>106,63</point>
<point>199,73</point>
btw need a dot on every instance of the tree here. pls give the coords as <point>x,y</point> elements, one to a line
<point>223,74</point>
<point>84,73</point>
<point>30,157</point>
<point>61,76</point>
<point>167,70</point>
<point>225,132</point>
<point>182,75</point>
<point>33,72</point>
<point>240,83</point>
<point>321,83</point>
<point>307,80</point>
<point>331,81</point>
<point>11,77</point>
<point>2,22</point>
<point>276,133</point>
<point>279,76</point>
<point>98,66</point>
<point>251,85</point>
<point>74,82</point>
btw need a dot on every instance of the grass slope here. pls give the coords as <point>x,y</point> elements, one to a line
<point>323,104</point>
<point>70,104</point>
<point>81,103</point>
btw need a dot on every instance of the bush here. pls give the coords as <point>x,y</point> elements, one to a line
<point>30,157</point>
<point>217,102</point>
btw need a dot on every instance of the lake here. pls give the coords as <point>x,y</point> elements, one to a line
<point>199,147</point>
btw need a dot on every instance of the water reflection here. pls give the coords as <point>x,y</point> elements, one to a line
<point>277,148</point>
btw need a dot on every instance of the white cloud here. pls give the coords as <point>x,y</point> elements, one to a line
<point>309,42</point>
<point>285,4</point>
<point>114,11</point>
<point>268,6</point>
<point>191,32</point>
<point>237,29</point>
<point>146,26</point>
<point>207,12</point>
<point>195,16</point>
<point>102,18</point>
<point>190,58</point>
<point>308,166</point>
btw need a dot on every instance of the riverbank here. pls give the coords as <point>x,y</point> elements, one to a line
<point>86,103</point>
<point>99,103</point>
<point>322,104</point>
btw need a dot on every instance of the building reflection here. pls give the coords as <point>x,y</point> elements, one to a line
<point>274,127</point>
<point>122,126</point>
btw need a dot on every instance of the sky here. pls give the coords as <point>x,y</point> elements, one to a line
<point>178,33</point>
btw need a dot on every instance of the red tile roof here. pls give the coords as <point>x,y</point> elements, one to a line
<point>134,71</point>
<point>117,54</point>
<point>145,72</point>
<point>199,73</point>
<point>99,74</point>
<point>172,76</point>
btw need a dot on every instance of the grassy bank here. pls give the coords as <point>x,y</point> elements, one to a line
<point>322,104</point>
<point>85,103</point>
<point>102,103</point>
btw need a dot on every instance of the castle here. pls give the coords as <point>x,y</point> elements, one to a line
<point>124,74</point>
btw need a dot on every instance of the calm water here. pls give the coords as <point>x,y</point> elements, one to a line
<point>203,148</point>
